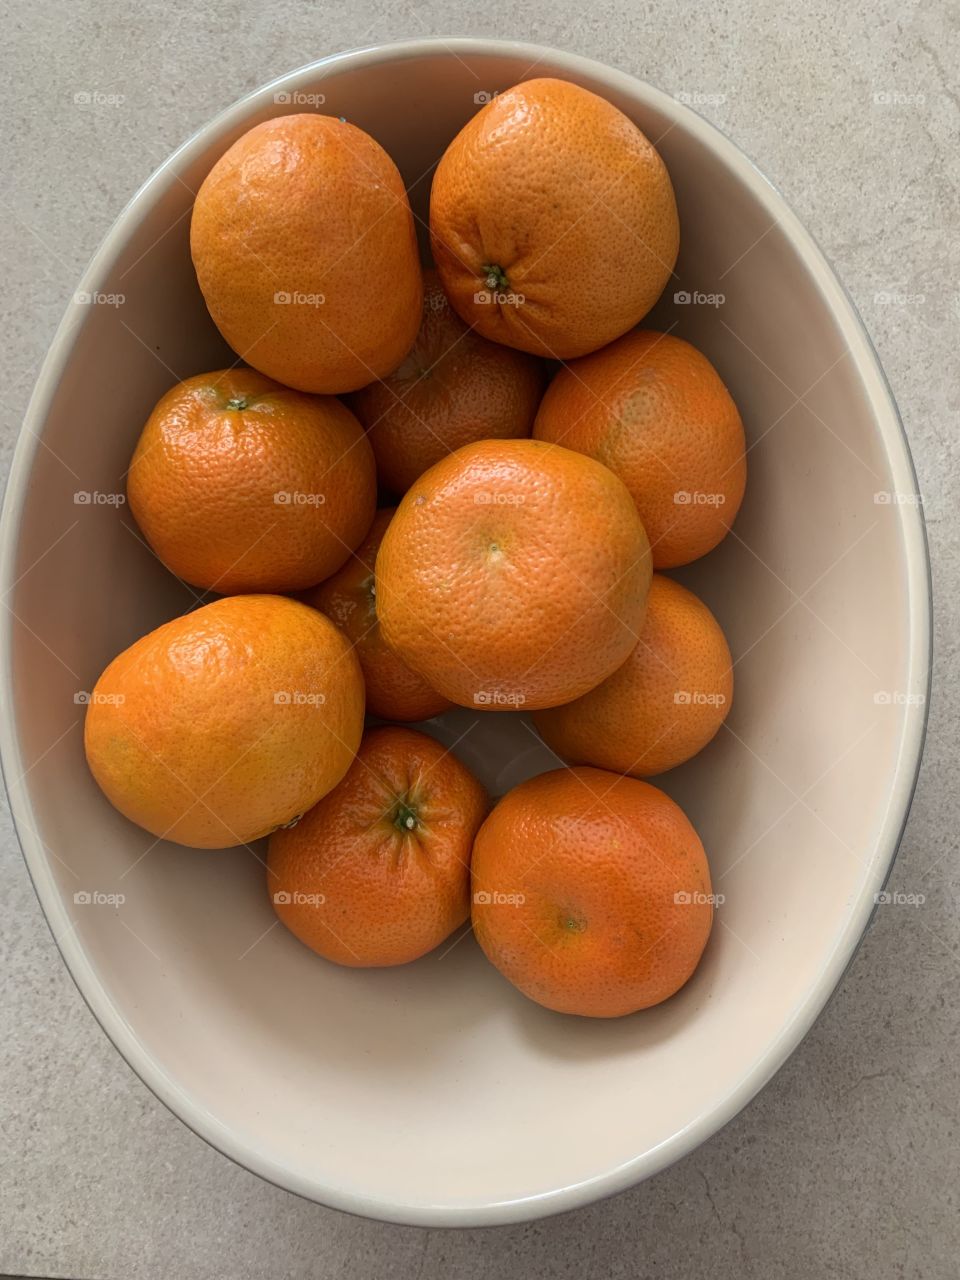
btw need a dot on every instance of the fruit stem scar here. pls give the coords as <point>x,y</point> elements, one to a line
<point>404,816</point>
<point>238,402</point>
<point>494,277</point>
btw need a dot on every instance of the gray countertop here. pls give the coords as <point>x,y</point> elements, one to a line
<point>847,1165</point>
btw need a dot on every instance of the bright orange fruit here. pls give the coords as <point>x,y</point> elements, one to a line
<point>591,892</point>
<point>240,484</point>
<point>378,872</point>
<point>655,411</point>
<point>552,220</point>
<point>304,247</point>
<point>452,388</point>
<point>225,723</point>
<point>664,704</point>
<point>514,575</point>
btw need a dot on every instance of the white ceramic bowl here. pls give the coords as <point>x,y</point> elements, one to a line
<point>435,1093</point>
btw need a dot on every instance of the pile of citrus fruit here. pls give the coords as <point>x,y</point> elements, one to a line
<point>425,488</point>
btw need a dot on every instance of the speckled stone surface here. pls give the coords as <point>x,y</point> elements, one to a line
<point>847,1165</point>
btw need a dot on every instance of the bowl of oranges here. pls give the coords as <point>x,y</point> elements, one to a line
<point>468,640</point>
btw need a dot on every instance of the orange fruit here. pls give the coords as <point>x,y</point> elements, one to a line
<point>225,723</point>
<point>240,484</point>
<point>394,691</point>
<point>378,872</point>
<point>656,412</point>
<point>591,892</point>
<point>514,574</point>
<point>452,388</point>
<point>552,220</point>
<point>304,247</point>
<point>663,705</point>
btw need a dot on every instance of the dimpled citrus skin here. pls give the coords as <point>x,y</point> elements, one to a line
<point>225,723</point>
<point>599,862</point>
<point>454,387</point>
<point>552,195</point>
<point>655,411</point>
<point>394,691</point>
<point>383,861</point>
<point>664,704</point>
<point>312,209</point>
<point>514,574</point>
<point>240,484</point>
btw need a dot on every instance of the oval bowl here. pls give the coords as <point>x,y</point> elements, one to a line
<point>435,1094</point>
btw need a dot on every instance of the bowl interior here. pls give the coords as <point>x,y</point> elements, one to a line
<point>435,1093</point>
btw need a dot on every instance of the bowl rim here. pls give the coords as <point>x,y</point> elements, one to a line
<point>910,747</point>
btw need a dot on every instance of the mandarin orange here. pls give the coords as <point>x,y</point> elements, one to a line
<point>664,704</point>
<point>591,892</point>
<point>240,484</point>
<point>378,873</point>
<point>452,388</point>
<point>513,575</point>
<point>304,247</point>
<point>653,409</point>
<point>227,722</point>
<point>552,220</point>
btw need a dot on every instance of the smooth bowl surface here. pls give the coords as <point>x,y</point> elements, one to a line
<point>435,1093</point>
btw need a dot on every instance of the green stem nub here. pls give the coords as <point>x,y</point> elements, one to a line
<point>495,277</point>
<point>405,817</point>
<point>238,402</point>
